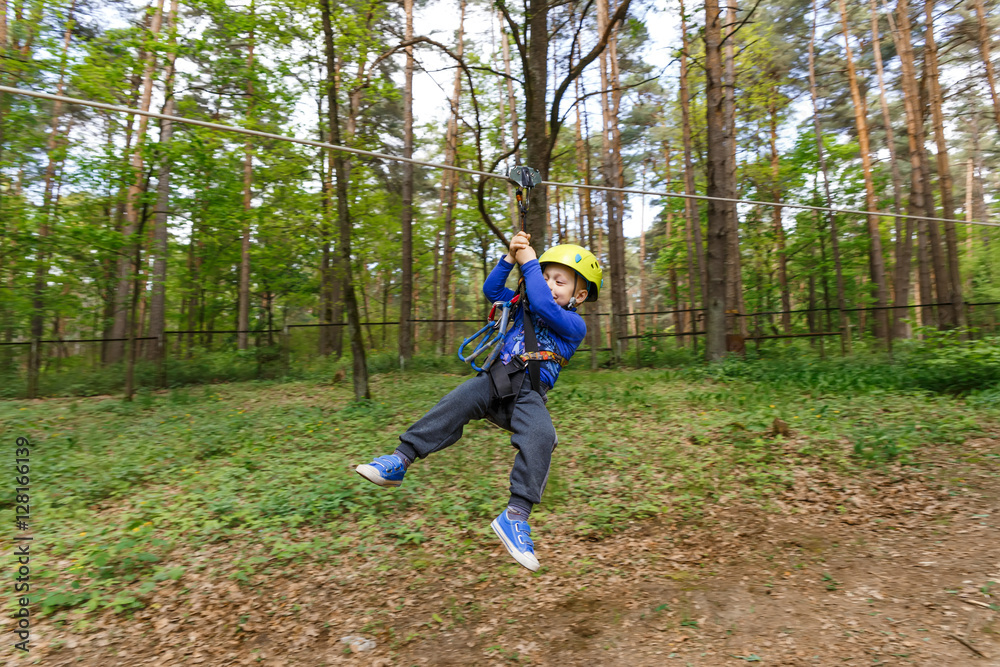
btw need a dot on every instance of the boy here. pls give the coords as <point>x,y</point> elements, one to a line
<point>563,277</point>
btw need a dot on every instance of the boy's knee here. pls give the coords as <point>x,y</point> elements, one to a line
<point>546,435</point>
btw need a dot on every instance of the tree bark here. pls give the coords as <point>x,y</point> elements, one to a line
<point>944,173</point>
<point>359,362</point>
<point>327,279</point>
<point>914,132</point>
<point>941,281</point>
<point>512,114</point>
<point>678,318</point>
<point>845,333</point>
<point>406,214</point>
<point>536,142</point>
<point>779,229</point>
<point>890,138</point>
<point>592,319</point>
<point>41,254</point>
<point>984,50</point>
<point>734,270</point>
<point>450,187</point>
<point>718,211</point>
<point>876,258</point>
<point>158,298</point>
<point>243,300</point>
<point>120,323</point>
<point>611,165</point>
<point>693,225</point>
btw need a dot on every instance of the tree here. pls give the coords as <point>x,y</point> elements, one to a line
<point>876,257</point>
<point>160,250</point>
<point>719,212</point>
<point>952,276</point>
<point>243,299</point>
<point>359,362</point>
<point>119,328</point>
<point>406,211</point>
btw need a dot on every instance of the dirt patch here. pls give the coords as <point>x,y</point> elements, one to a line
<point>893,568</point>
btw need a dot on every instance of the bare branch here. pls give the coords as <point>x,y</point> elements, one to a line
<point>514,32</point>
<point>576,70</point>
<point>481,194</point>
<point>740,24</point>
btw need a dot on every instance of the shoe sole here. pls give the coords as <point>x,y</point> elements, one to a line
<point>521,559</point>
<point>372,475</point>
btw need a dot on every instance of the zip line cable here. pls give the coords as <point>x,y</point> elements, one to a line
<point>435,165</point>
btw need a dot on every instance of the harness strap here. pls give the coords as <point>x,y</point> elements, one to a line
<point>530,343</point>
<point>544,355</point>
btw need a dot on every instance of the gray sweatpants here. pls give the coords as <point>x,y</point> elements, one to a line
<point>532,432</point>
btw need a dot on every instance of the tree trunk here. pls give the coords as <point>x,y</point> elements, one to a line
<point>158,298</point>
<point>327,281</point>
<point>718,211</point>
<point>536,139</point>
<point>612,166</point>
<point>243,304</point>
<point>734,271</point>
<point>845,333</point>
<point>515,130</point>
<point>944,174</point>
<point>592,319</point>
<point>914,132</point>
<point>406,214</point>
<point>336,277</point>
<point>779,229</point>
<point>41,255</point>
<point>512,114</point>
<point>925,281</point>
<point>120,323</point>
<point>678,318</point>
<point>876,258</point>
<point>693,225</point>
<point>903,227</point>
<point>890,138</point>
<point>984,49</point>
<point>450,187</point>
<point>941,281</point>
<point>360,364</point>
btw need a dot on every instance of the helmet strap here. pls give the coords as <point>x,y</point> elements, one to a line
<point>576,281</point>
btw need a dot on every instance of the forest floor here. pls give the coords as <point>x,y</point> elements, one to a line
<point>885,565</point>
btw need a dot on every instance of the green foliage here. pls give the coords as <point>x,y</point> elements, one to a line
<point>945,362</point>
<point>133,489</point>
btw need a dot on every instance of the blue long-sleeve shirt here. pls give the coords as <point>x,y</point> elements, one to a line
<point>556,328</point>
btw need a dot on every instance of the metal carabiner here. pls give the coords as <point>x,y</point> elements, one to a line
<point>493,335</point>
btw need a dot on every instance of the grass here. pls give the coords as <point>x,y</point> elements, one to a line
<point>125,495</point>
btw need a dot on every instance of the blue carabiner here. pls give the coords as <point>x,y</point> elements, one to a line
<point>493,335</point>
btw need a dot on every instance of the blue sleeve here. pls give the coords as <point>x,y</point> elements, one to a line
<point>493,287</point>
<point>565,323</point>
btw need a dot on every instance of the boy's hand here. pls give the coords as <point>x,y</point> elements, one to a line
<point>520,244</point>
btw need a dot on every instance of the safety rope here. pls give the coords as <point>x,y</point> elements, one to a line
<point>435,165</point>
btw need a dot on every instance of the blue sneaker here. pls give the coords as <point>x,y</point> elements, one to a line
<point>516,537</point>
<point>384,470</point>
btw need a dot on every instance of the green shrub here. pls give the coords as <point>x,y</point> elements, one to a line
<point>945,363</point>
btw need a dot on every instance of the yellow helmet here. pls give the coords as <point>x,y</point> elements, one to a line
<point>580,260</point>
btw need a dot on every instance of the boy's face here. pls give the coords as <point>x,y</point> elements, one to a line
<point>564,283</point>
